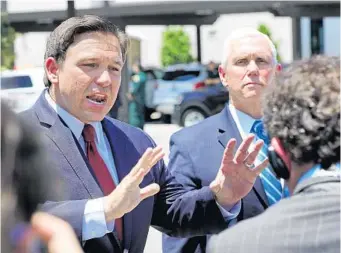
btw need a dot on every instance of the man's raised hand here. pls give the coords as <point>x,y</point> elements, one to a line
<point>128,193</point>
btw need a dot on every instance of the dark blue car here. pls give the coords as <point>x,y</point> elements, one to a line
<point>195,106</point>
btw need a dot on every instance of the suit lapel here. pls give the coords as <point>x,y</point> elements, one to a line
<point>228,129</point>
<point>63,138</point>
<point>122,148</point>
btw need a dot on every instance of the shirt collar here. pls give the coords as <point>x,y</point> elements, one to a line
<point>75,125</point>
<point>244,122</point>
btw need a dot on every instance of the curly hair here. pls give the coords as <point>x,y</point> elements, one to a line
<point>302,109</point>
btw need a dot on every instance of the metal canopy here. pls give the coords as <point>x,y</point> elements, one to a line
<point>177,13</point>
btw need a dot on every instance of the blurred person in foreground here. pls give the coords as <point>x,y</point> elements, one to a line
<point>247,69</point>
<point>116,183</point>
<point>302,118</point>
<point>136,96</point>
<point>26,182</point>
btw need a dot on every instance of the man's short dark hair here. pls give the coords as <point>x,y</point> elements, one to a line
<point>64,35</point>
<point>302,109</point>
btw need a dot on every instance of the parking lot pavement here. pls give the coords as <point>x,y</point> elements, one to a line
<point>160,134</point>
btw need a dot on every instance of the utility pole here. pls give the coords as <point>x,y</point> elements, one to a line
<point>71,11</point>
<point>4,6</point>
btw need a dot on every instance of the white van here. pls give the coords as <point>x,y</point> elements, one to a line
<point>21,88</point>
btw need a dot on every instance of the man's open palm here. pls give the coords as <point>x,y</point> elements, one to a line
<point>235,179</point>
<point>128,193</point>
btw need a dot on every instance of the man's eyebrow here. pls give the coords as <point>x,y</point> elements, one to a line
<point>118,61</point>
<point>240,57</point>
<point>94,58</point>
<point>263,55</point>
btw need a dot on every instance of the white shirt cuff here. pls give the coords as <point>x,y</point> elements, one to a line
<point>230,213</point>
<point>94,224</point>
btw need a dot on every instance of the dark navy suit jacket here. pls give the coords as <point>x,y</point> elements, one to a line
<point>195,157</point>
<point>174,210</point>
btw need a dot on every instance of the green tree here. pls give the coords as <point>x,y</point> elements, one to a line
<point>264,29</point>
<point>176,46</point>
<point>8,36</point>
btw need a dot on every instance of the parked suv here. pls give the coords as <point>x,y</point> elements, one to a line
<point>195,106</point>
<point>176,80</point>
<point>21,88</point>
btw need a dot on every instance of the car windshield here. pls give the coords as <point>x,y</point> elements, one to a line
<point>180,75</point>
<point>15,82</point>
<point>158,73</point>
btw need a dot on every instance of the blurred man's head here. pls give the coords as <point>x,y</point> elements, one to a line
<point>136,67</point>
<point>248,66</point>
<point>83,62</point>
<point>302,114</point>
<point>26,177</point>
<point>211,65</point>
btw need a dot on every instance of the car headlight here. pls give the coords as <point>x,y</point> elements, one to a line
<point>179,99</point>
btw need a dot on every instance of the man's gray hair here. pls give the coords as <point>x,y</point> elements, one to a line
<point>242,33</point>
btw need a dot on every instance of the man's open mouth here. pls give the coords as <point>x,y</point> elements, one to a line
<point>252,83</point>
<point>97,99</point>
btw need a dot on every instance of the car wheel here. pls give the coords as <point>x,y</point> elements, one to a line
<point>147,113</point>
<point>192,116</point>
<point>166,118</point>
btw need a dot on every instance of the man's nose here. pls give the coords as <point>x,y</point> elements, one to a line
<point>253,68</point>
<point>104,78</point>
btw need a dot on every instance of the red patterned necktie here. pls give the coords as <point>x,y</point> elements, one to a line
<point>100,169</point>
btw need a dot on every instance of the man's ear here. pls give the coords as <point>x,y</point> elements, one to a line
<point>276,143</point>
<point>223,75</point>
<point>52,69</point>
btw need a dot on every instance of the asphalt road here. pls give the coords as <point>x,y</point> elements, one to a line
<point>161,134</point>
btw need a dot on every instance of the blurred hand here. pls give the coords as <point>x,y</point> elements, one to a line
<point>128,193</point>
<point>56,233</point>
<point>235,179</point>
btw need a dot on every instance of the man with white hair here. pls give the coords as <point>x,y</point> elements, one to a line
<point>301,114</point>
<point>248,67</point>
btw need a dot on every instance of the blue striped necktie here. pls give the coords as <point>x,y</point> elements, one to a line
<point>272,186</point>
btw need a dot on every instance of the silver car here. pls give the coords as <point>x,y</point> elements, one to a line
<point>21,88</point>
<point>153,74</point>
<point>177,79</point>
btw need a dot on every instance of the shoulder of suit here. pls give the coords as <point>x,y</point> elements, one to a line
<point>199,131</point>
<point>27,115</point>
<point>26,112</point>
<point>129,130</point>
<point>319,182</point>
<point>123,125</point>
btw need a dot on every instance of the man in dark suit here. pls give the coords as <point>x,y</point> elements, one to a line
<point>302,116</point>
<point>116,184</point>
<point>248,67</point>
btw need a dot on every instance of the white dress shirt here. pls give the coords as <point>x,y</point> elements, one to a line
<point>94,224</point>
